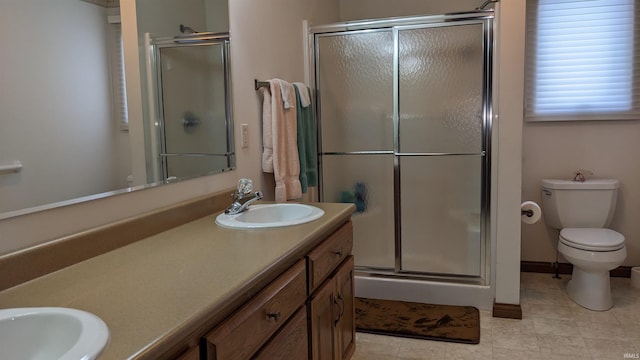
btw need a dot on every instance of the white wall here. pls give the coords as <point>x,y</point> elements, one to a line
<point>55,103</point>
<point>266,43</point>
<point>163,17</point>
<point>556,150</point>
<point>507,173</point>
<point>217,14</point>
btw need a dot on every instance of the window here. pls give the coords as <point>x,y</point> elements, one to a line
<point>118,83</point>
<point>582,60</point>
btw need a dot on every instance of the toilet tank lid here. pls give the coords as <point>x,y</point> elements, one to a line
<point>587,184</point>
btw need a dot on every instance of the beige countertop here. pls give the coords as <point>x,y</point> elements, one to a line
<point>155,293</point>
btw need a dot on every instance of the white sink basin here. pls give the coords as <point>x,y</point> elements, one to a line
<point>51,333</point>
<point>270,216</point>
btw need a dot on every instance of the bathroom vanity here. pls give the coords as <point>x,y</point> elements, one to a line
<point>200,291</point>
<point>311,303</point>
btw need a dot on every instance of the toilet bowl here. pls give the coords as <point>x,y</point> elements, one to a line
<point>593,253</point>
<point>582,210</point>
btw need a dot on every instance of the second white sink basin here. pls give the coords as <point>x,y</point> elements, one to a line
<point>270,216</point>
<point>44,333</point>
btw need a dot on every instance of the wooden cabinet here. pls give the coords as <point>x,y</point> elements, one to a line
<point>331,316</point>
<point>306,313</point>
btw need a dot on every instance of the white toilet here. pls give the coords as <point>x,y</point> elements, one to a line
<point>582,210</point>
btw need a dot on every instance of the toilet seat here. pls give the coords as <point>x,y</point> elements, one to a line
<point>592,239</point>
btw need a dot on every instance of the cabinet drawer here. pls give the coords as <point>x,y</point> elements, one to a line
<point>191,354</point>
<point>291,342</point>
<point>327,256</point>
<point>242,334</point>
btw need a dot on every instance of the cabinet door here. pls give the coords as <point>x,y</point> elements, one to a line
<point>322,317</point>
<point>291,342</point>
<point>345,326</point>
<point>331,309</point>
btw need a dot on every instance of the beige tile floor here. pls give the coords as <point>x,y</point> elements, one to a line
<point>553,327</point>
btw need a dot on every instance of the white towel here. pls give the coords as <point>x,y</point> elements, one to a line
<point>287,94</point>
<point>267,134</point>
<point>286,164</point>
<point>304,94</point>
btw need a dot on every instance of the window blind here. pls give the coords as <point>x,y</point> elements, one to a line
<point>582,60</point>
<point>118,81</point>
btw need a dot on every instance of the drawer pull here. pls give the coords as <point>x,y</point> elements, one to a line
<point>338,253</point>
<point>275,316</point>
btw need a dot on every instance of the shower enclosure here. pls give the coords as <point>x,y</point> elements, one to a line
<point>404,109</point>
<point>191,106</point>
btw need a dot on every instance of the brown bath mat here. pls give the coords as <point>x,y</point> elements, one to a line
<point>459,324</point>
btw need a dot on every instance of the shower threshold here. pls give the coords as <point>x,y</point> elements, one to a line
<point>424,288</point>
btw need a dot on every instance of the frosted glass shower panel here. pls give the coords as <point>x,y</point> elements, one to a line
<point>441,89</point>
<point>355,81</point>
<point>367,181</point>
<point>193,95</point>
<point>440,210</point>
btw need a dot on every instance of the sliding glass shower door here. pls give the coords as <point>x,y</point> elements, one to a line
<point>357,130</point>
<point>441,148</point>
<point>404,111</point>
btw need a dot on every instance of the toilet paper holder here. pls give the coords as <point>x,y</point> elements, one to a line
<point>528,213</point>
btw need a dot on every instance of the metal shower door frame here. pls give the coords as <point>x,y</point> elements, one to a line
<point>191,40</point>
<point>395,25</point>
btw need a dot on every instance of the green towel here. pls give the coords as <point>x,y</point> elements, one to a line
<point>307,144</point>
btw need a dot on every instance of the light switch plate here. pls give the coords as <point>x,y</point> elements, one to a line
<point>244,135</point>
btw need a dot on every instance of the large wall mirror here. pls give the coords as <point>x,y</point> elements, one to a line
<point>63,99</point>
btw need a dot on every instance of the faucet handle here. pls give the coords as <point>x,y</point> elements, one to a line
<point>581,175</point>
<point>245,186</point>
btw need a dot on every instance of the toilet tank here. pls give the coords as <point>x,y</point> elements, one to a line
<point>574,204</point>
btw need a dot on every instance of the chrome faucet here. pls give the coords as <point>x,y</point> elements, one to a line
<point>243,197</point>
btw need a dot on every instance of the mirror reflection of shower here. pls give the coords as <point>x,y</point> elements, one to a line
<point>190,105</point>
<point>186,29</point>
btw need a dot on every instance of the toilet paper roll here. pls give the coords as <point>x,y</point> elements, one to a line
<point>531,212</point>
